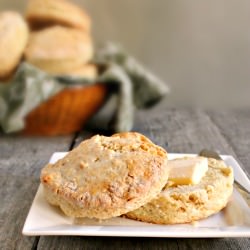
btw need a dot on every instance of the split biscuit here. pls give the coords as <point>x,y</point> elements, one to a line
<point>59,49</point>
<point>13,39</point>
<point>44,13</point>
<point>188,203</point>
<point>106,176</point>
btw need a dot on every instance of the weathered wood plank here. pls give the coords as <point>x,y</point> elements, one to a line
<point>16,195</point>
<point>21,159</point>
<point>27,155</point>
<point>105,243</point>
<point>225,243</point>
<point>183,130</point>
<point>235,127</point>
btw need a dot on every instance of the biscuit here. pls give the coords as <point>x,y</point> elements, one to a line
<point>106,176</point>
<point>44,13</point>
<point>13,39</point>
<point>59,49</point>
<point>188,203</point>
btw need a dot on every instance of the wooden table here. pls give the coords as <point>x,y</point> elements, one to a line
<point>179,130</point>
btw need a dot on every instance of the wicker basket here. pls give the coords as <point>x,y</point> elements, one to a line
<point>66,112</point>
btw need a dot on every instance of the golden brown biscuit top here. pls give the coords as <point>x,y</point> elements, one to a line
<point>107,171</point>
<point>49,12</point>
<point>10,21</point>
<point>57,42</point>
<point>13,39</point>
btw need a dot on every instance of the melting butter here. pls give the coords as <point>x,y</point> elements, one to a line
<point>188,170</point>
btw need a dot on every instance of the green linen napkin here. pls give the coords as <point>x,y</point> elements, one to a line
<point>135,87</point>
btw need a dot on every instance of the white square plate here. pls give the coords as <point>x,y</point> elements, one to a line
<point>233,221</point>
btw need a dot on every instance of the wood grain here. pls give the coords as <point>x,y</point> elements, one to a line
<point>21,159</point>
<point>235,128</point>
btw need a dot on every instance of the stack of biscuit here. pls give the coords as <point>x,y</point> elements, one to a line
<point>126,174</point>
<point>60,41</point>
<point>54,36</point>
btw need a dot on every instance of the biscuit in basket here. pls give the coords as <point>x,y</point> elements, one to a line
<point>13,39</point>
<point>44,13</point>
<point>59,49</point>
<point>188,203</point>
<point>106,176</point>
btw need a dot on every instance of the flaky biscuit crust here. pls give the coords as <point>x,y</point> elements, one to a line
<point>188,203</point>
<point>59,49</point>
<point>106,176</point>
<point>44,13</point>
<point>13,39</point>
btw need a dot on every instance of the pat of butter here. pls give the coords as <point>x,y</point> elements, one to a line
<point>189,170</point>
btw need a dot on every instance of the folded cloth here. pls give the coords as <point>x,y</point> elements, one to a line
<point>135,87</point>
